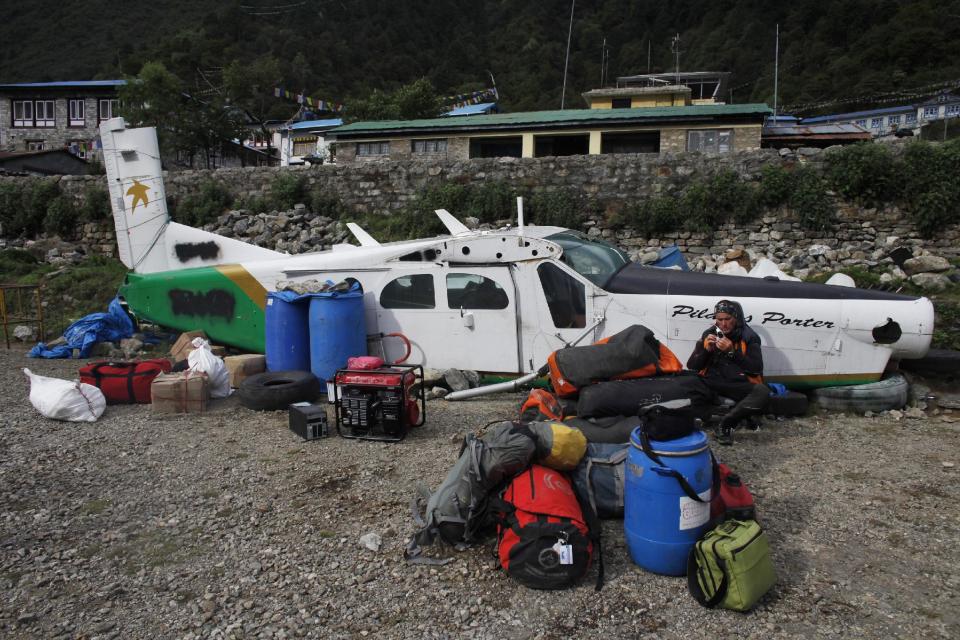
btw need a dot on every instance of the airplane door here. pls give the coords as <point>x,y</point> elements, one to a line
<point>556,306</point>
<point>460,317</point>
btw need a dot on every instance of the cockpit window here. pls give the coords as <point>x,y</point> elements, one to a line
<point>595,260</point>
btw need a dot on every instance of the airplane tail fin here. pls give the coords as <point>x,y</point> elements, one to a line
<point>147,240</point>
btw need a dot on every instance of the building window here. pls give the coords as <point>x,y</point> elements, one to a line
<point>34,145</point>
<point>108,109</point>
<point>438,145</point>
<point>861,123</point>
<point>620,103</point>
<point>77,108</point>
<point>953,110</point>
<point>893,120</point>
<point>876,123</point>
<point>23,113</point>
<point>710,140</point>
<point>304,146</point>
<point>929,113</point>
<point>373,149</point>
<point>45,114</point>
<point>910,118</point>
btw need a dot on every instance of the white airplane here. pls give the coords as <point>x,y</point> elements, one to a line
<point>493,301</point>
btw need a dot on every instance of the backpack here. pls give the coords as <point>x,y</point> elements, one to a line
<point>600,478</point>
<point>541,405</point>
<point>457,511</point>
<point>731,498</point>
<point>543,539</point>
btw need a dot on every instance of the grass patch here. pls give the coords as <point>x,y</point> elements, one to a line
<point>326,533</point>
<point>210,493</point>
<point>94,507</point>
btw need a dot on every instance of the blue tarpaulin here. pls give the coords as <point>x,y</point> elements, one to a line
<point>112,326</point>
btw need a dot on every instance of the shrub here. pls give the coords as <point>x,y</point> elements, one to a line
<point>556,208</point>
<point>450,196</point>
<point>867,172</point>
<point>776,185</point>
<point>61,217</point>
<point>931,192</point>
<point>325,204</point>
<point>15,263</point>
<point>655,216</point>
<point>96,204</point>
<point>490,201</point>
<point>809,200</point>
<point>286,190</point>
<point>27,215</point>
<point>204,206</point>
<point>11,203</point>
<point>254,204</point>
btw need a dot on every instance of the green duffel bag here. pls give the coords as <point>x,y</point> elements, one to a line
<point>730,566</point>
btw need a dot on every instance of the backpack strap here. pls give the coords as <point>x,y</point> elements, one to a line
<point>695,572</point>
<point>647,449</point>
<point>594,528</point>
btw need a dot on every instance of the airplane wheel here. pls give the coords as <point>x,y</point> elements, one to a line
<point>886,394</point>
<point>278,389</point>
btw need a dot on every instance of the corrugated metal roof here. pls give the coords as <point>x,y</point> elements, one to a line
<point>566,117</point>
<point>858,114</point>
<point>816,131</point>
<point>316,124</point>
<point>471,109</point>
<point>68,84</point>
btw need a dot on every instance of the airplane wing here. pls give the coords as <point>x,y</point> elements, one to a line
<point>454,226</point>
<point>364,238</point>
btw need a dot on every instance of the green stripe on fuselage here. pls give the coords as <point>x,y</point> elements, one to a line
<point>215,299</point>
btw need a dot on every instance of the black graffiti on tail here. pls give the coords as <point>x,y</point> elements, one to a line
<point>203,250</point>
<point>215,302</point>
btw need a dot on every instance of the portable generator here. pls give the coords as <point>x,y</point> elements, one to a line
<point>379,404</point>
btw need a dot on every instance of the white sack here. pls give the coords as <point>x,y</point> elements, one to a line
<point>766,267</point>
<point>841,280</point>
<point>65,400</point>
<point>201,359</point>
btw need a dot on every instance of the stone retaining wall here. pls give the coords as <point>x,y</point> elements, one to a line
<point>608,182</point>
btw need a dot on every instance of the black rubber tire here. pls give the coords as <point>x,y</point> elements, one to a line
<point>886,394</point>
<point>276,390</point>
<point>938,363</point>
<point>793,403</point>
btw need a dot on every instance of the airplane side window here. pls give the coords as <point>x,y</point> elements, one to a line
<point>472,291</point>
<point>566,297</point>
<point>409,292</point>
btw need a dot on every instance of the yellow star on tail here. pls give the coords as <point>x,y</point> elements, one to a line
<point>139,193</point>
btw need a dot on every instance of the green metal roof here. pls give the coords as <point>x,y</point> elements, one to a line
<point>565,118</point>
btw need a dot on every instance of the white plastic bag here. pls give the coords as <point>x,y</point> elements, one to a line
<point>65,400</point>
<point>201,359</point>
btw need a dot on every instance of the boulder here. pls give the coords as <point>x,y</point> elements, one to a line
<point>456,380</point>
<point>931,281</point>
<point>925,264</point>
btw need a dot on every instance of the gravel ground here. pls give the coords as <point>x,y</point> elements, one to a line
<point>228,525</point>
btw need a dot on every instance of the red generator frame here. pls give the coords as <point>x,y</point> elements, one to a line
<point>379,404</point>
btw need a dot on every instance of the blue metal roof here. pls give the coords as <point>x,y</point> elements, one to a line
<point>857,114</point>
<point>315,124</point>
<point>68,84</point>
<point>471,109</point>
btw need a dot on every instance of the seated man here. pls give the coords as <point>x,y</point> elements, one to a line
<point>729,362</point>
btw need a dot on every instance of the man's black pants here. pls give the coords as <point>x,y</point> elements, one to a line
<point>751,397</point>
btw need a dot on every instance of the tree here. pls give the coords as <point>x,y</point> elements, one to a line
<point>411,101</point>
<point>184,123</point>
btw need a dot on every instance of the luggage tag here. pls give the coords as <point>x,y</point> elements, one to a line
<point>564,552</point>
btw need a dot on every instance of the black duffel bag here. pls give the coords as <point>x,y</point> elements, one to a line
<point>627,397</point>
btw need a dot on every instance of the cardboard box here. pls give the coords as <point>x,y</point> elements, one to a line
<point>244,366</point>
<point>183,392</point>
<point>182,347</point>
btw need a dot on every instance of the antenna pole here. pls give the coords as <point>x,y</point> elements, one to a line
<point>566,61</point>
<point>776,69</point>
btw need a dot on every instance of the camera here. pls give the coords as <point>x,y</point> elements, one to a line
<point>719,332</point>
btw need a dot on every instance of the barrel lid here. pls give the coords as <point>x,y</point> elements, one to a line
<point>693,443</point>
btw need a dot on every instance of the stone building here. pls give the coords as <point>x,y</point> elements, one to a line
<point>710,128</point>
<point>40,116</point>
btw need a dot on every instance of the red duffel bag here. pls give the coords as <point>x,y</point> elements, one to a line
<point>124,382</point>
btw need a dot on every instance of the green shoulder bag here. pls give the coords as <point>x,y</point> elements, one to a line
<point>730,566</point>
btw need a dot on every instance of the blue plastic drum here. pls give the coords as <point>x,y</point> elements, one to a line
<point>660,522</point>
<point>287,329</point>
<point>337,331</point>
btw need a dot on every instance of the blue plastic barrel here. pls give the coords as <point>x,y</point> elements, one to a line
<point>287,329</point>
<point>337,331</point>
<point>660,522</point>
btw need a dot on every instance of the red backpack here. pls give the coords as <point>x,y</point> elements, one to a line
<point>124,382</point>
<point>544,540</point>
<point>732,499</point>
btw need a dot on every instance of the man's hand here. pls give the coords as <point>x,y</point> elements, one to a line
<point>710,343</point>
<point>725,344</point>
